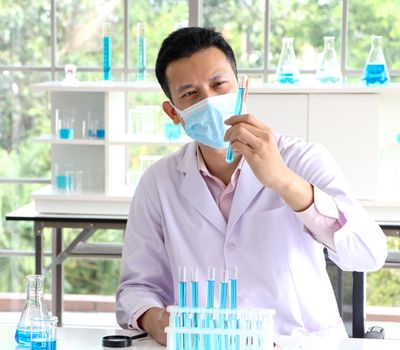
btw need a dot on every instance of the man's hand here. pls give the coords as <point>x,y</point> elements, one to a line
<point>256,142</point>
<point>154,321</point>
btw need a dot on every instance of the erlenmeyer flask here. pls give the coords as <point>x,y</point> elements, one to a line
<point>375,70</point>
<point>287,71</point>
<point>34,307</point>
<point>329,69</point>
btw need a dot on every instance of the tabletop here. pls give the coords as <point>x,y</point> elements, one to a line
<point>91,339</point>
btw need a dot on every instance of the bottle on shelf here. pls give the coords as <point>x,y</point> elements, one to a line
<point>141,52</point>
<point>375,70</point>
<point>287,71</point>
<point>34,307</point>
<point>107,43</point>
<point>329,70</point>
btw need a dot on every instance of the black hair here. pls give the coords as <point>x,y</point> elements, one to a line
<point>183,43</point>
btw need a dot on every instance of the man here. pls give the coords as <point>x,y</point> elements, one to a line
<point>270,212</point>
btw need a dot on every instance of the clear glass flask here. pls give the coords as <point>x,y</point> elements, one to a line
<point>329,70</point>
<point>375,70</point>
<point>34,307</point>
<point>107,50</point>
<point>287,71</point>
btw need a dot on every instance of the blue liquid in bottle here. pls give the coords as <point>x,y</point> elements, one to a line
<point>375,74</point>
<point>23,336</point>
<point>106,57</point>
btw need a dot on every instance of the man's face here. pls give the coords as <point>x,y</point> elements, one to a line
<point>204,74</point>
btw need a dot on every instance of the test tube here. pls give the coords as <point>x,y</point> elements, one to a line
<point>230,155</point>
<point>223,288</point>
<point>141,59</point>
<point>107,50</point>
<point>233,286</point>
<point>195,287</point>
<point>182,286</point>
<point>195,304</point>
<point>210,286</point>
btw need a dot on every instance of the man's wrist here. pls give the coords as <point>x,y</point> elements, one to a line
<point>146,319</point>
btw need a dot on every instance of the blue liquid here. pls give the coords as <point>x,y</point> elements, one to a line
<point>100,133</point>
<point>195,294</point>
<point>106,58</point>
<point>210,294</point>
<point>222,297</point>
<point>182,294</point>
<point>91,133</point>
<point>287,78</point>
<point>141,58</point>
<point>23,336</point>
<point>172,131</point>
<point>329,80</point>
<point>398,138</point>
<point>375,74</point>
<point>233,294</point>
<point>66,134</point>
<point>64,182</point>
<point>43,344</point>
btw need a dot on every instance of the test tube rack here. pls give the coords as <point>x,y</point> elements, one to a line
<point>220,329</point>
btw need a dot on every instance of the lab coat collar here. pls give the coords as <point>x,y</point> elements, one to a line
<point>195,190</point>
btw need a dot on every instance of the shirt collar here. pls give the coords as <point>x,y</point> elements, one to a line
<point>201,165</point>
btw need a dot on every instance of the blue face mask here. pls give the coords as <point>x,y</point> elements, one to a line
<point>204,121</point>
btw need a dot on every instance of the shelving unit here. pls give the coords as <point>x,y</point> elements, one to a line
<point>102,161</point>
<point>357,124</point>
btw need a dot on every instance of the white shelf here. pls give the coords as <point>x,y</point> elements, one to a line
<point>56,141</point>
<point>49,201</point>
<point>273,88</point>
<point>155,140</point>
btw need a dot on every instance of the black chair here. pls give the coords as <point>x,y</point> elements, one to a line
<point>349,288</point>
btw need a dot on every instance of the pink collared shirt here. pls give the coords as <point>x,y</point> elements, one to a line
<point>321,219</point>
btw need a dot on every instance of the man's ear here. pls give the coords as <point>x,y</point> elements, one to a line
<point>171,112</point>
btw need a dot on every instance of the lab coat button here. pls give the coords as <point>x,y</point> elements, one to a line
<point>316,219</point>
<point>231,245</point>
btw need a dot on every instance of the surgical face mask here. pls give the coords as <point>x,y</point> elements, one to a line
<point>204,121</point>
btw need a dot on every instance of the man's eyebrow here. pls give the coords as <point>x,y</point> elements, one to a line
<point>217,76</point>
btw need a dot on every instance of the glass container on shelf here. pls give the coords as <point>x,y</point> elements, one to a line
<point>287,71</point>
<point>375,70</point>
<point>329,70</point>
<point>34,307</point>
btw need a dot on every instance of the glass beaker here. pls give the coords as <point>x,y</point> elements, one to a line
<point>329,69</point>
<point>375,70</point>
<point>44,332</point>
<point>287,71</point>
<point>34,307</point>
<point>63,177</point>
<point>64,122</point>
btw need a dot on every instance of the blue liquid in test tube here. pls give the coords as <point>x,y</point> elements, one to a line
<point>210,304</point>
<point>106,51</point>
<point>181,323</point>
<point>141,42</point>
<point>223,291</point>
<point>195,304</point>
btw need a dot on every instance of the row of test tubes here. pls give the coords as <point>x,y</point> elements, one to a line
<point>227,277</point>
<point>222,327</point>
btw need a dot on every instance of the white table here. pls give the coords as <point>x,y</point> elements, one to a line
<point>91,339</point>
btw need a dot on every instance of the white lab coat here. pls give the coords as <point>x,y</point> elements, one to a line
<point>174,221</point>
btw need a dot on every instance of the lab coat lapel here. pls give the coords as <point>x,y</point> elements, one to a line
<point>247,188</point>
<point>195,190</point>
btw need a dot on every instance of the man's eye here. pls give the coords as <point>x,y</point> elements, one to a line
<point>189,93</point>
<point>220,83</point>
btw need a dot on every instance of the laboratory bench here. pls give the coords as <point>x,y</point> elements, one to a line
<point>91,339</point>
